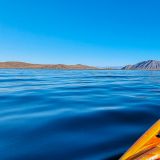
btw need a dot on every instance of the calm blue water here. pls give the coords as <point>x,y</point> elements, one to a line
<point>71,115</point>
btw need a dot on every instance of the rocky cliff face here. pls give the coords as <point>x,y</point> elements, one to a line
<point>145,65</point>
<point>42,66</point>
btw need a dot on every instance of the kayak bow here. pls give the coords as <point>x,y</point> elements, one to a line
<point>147,147</point>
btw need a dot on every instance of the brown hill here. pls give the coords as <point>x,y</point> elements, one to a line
<point>23,65</point>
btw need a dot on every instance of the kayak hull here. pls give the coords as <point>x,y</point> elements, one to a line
<point>147,147</point>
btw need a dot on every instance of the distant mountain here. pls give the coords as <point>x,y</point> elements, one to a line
<point>110,67</point>
<point>145,65</point>
<point>23,65</point>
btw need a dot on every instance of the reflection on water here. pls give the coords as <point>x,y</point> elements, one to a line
<point>59,114</point>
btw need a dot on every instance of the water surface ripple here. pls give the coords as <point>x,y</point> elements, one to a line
<point>71,115</point>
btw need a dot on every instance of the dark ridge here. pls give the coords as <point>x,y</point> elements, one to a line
<point>145,65</point>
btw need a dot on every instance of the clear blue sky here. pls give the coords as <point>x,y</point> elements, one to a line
<point>94,32</point>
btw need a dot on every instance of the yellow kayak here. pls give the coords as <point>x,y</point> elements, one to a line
<point>147,147</point>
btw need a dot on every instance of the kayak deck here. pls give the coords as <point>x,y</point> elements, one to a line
<point>147,147</point>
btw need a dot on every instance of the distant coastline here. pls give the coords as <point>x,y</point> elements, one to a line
<point>24,65</point>
<point>145,65</point>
